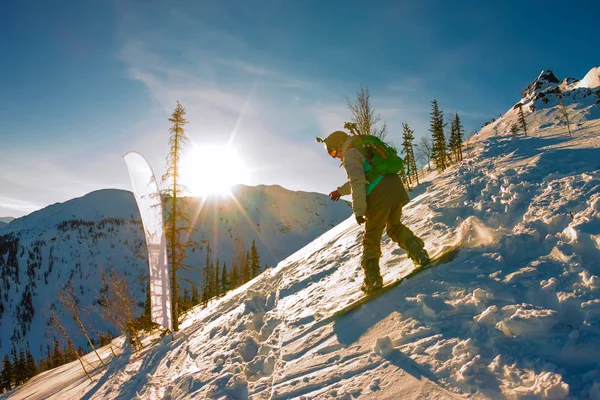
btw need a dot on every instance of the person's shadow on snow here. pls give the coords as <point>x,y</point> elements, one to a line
<point>351,327</point>
<point>355,326</point>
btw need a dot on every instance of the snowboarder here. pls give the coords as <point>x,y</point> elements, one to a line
<point>378,204</point>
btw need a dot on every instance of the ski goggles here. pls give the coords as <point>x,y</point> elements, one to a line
<point>332,152</point>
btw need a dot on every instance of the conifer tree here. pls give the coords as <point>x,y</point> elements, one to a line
<point>15,364</point>
<point>146,317</point>
<point>224,278</point>
<point>240,264</point>
<point>246,270</point>
<point>514,129</point>
<point>30,366</point>
<point>522,119</point>
<point>41,366</point>
<point>411,164</point>
<point>47,361</point>
<point>177,225</point>
<point>21,367</point>
<point>143,322</point>
<point>57,357</point>
<point>184,300</point>
<point>438,141</point>
<point>456,138</point>
<point>7,375</point>
<point>212,292</point>
<point>364,118</point>
<point>254,261</point>
<point>209,277</point>
<point>204,297</point>
<point>217,279</point>
<point>451,155</point>
<point>234,276</point>
<point>195,295</point>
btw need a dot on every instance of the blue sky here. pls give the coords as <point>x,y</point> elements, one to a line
<point>81,83</point>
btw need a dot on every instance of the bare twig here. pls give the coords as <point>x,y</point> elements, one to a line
<point>54,320</point>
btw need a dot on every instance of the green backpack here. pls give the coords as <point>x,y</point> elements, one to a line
<point>383,158</point>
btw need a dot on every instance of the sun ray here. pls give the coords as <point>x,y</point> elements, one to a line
<point>253,226</point>
<point>242,113</point>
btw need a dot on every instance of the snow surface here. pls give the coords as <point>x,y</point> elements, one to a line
<point>516,315</point>
<point>590,80</point>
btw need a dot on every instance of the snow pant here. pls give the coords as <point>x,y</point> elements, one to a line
<point>384,211</point>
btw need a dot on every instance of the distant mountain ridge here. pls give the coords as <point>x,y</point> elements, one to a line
<point>5,221</point>
<point>74,240</point>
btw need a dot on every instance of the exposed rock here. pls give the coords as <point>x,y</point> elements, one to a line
<point>545,80</point>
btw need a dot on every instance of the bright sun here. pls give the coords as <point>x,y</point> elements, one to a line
<point>207,170</point>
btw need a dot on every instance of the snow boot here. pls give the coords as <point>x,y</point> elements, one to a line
<point>416,251</point>
<point>373,280</point>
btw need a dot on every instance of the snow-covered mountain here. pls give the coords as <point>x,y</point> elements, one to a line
<point>516,315</point>
<point>547,91</point>
<point>75,240</point>
<point>5,221</point>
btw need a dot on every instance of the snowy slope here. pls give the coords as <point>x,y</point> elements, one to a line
<point>516,315</point>
<point>75,240</point>
<point>591,79</point>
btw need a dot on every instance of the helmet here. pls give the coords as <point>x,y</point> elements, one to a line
<point>334,141</point>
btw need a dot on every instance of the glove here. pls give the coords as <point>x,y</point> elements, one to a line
<point>335,195</point>
<point>360,219</point>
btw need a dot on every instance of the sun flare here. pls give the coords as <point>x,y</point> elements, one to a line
<point>214,169</point>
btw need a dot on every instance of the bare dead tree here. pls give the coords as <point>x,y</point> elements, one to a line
<point>122,304</point>
<point>68,299</point>
<point>425,151</point>
<point>364,118</point>
<point>565,113</point>
<point>55,321</point>
<point>109,308</point>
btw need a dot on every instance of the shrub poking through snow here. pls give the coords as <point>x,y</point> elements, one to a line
<point>514,129</point>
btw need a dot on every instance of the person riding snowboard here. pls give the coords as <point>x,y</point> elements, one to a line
<point>377,202</point>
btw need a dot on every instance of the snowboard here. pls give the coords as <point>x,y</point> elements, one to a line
<point>446,255</point>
